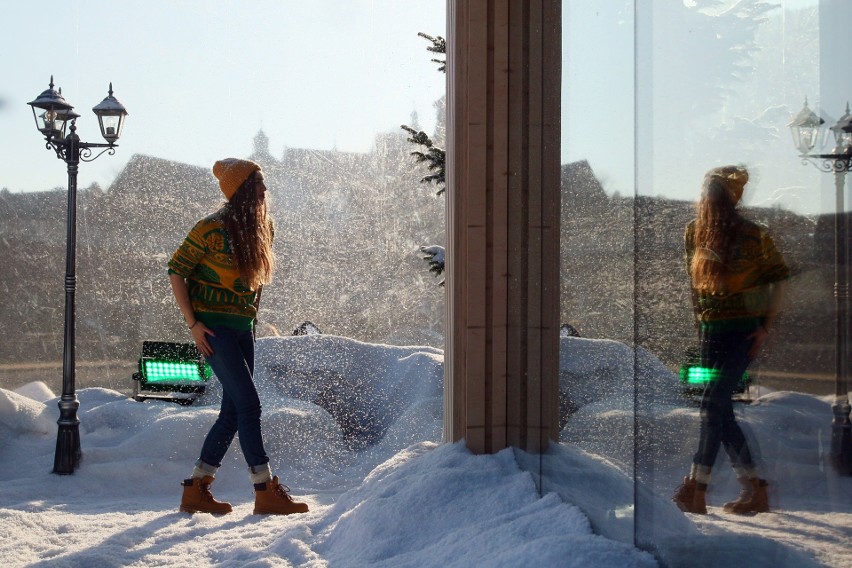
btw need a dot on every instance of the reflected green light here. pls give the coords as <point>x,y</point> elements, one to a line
<point>696,375</point>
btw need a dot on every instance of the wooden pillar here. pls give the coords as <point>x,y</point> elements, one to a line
<point>503,137</point>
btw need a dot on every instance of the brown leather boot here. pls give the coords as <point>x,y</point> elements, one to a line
<point>198,499</point>
<point>753,498</point>
<point>272,498</point>
<point>690,496</point>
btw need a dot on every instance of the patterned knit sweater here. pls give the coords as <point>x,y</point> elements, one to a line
<point>754,264</point>
<point>205,260</point>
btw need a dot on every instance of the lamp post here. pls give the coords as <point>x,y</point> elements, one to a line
<point>805,128</point>
<point>52,114</point>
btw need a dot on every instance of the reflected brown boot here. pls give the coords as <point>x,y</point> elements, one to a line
<point>272,498</point>
<point>198,499</point>
<point>690,496</point>
<point>753,498</point>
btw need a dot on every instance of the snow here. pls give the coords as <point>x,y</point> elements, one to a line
<point>354,430</point>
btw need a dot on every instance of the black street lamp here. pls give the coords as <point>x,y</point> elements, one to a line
<point>52,115</point>
<point>805,128</point>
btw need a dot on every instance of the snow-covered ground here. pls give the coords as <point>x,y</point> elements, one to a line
<point>353,429</point>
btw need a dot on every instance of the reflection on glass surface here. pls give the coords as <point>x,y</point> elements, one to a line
<point>708,84</point>
<point>592,467</point>
<point>737,279</point>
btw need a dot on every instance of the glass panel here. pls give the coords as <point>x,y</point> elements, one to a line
<point>716,84</point>
<point>740,72</point>
<point>111,126</point>
<point>593,465</point>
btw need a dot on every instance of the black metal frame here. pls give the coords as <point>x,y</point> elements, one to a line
<point>179,392</point>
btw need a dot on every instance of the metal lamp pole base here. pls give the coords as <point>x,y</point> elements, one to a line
<point>68,453</point>
<point>841,438</point>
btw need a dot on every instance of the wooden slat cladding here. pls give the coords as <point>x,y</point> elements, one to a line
<point>501,357</point>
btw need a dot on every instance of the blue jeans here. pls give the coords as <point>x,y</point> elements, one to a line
<point>233,363</point>
<point>726,353</point>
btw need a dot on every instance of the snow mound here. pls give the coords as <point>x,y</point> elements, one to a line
<point>370,390</point>
<point>606,495</point>
<point>597,378</point>
<point>398,498</point>
<point>20,414</point>
<point>36,390</point>
<point>440,502</point>
<point>592,370</point>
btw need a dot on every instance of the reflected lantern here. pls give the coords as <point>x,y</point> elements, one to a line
<point>843,132</point>
<point>805,129</point>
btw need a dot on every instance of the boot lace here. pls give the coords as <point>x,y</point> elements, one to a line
<point>283,491</point>
<point>204,488</point>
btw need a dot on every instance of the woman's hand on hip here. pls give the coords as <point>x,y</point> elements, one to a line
<point>199,335</point>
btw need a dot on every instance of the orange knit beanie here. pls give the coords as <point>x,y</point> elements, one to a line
<point>232,172</point>
<point>734,178</point>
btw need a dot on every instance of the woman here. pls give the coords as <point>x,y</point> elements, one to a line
<point>738,281</point>
<point>217,275</point>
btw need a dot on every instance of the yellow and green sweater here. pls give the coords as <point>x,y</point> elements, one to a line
<point>754,265</point>
<point>205,260</point>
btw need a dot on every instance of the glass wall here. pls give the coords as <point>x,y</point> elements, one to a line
<point>655,96</point>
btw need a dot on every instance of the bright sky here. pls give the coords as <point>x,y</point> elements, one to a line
<point>201,77</point>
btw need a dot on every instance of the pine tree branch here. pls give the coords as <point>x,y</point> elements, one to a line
<point>434,157</point>
<point>434,256</point>
<point>439,45</point>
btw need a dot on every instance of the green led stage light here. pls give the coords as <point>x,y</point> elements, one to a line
<point>157,370</point>
<point>171,371</point>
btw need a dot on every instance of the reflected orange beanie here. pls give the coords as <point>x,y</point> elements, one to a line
<point>232,172</point>
<point>734,178</point>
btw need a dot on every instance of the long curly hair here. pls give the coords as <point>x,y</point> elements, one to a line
<point>250,229</point>
<point>717,228</point>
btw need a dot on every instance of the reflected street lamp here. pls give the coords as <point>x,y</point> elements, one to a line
<point>805,128</point>
<point>53,115</point>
